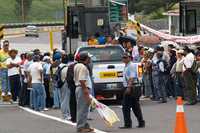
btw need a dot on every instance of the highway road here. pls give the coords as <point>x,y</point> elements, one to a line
<point>160,118</point>
<point>23,44</point>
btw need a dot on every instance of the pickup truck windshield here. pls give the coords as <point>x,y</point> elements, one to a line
<point>104,54</point>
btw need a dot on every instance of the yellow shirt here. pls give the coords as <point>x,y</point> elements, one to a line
<point>3,57</point>
<point>92,42</point>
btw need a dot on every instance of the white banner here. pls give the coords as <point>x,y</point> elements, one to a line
<point>177,39</point>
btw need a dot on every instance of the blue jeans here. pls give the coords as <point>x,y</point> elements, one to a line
<point>162,93</point>
<point>31,98</point>
<point>5,84</point>
<point>39,96</point>
<point>147,84</point>
<point>82,109</point>
<point>65,99</point>
<point>56,97</point>
<point>155,89</point>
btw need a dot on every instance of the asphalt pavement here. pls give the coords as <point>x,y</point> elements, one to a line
<point>160,118</point>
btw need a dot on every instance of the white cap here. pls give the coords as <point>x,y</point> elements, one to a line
<point>46,58</point>
<point>151,50</point>
<point>180,51</point>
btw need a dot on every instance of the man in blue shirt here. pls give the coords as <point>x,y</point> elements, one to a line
<point>130,99</point>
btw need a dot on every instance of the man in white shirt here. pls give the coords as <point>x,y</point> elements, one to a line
<point>13,64</point>
<point>36,82</point>
<point>81,74</point>
<point>190,78</point>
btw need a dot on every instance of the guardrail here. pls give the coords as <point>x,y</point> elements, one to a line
<point>18,31</point>
<point>20,25</point>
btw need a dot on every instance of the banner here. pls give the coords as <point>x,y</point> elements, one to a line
<point>177,39</point>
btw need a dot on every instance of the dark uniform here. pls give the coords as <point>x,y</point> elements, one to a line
<point>130,101</point>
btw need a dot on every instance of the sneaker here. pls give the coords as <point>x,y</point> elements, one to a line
<point>3,94</point>
<point>85,130</point>
<point>125,127</point>
<point>9,93</point>
<point>141,124</point>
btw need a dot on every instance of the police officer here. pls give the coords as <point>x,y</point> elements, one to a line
<point>129,98</point>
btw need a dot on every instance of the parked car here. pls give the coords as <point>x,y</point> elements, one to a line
<point>31,31</point>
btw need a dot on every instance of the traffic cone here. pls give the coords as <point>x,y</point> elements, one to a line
<point>180,117</point>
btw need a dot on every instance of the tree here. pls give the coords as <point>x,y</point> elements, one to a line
<point>149,6</point>
<point>22,8</point>
<point>132,6</point>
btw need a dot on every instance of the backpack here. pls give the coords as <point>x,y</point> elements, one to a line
<point>70,76</point>
<point>166,68</point>
<point>57,77</point>
<point>195,67</point>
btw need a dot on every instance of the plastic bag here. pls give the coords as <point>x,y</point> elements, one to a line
<point>107,114</point>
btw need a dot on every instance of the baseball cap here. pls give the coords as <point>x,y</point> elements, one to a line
<point>84,55</point>
<point>57,56</point>
<point>46,58</point>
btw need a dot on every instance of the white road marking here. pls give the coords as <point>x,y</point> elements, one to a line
<point>54,118</point>
<point>116,106</point>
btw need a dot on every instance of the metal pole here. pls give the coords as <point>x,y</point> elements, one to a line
<point>64,12</point>
<point>22,8</point>
<point>51,40</point>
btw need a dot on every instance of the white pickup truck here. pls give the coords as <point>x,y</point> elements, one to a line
<point>107,69</point>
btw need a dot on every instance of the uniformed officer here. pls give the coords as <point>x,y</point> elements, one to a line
<point>129,98</point>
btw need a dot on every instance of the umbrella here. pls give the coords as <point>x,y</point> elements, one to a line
<point>149,40</point>
<point>126,39</point>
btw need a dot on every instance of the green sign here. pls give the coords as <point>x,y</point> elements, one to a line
<point>118,10</point>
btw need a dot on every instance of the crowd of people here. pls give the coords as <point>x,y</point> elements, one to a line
<point>44,80</point>
<point>168,72</point>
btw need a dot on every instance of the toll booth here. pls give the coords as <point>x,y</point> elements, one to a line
<point>84,21</point>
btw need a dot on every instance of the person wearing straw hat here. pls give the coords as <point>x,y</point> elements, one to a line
<point>190,77</point>
<point>13,64</point>
<point>176,73</point>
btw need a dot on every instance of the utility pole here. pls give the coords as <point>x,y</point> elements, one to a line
<point>22,8</point>
<point>64,12</point>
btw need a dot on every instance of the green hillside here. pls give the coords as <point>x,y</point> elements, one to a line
<point>41,10</point>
